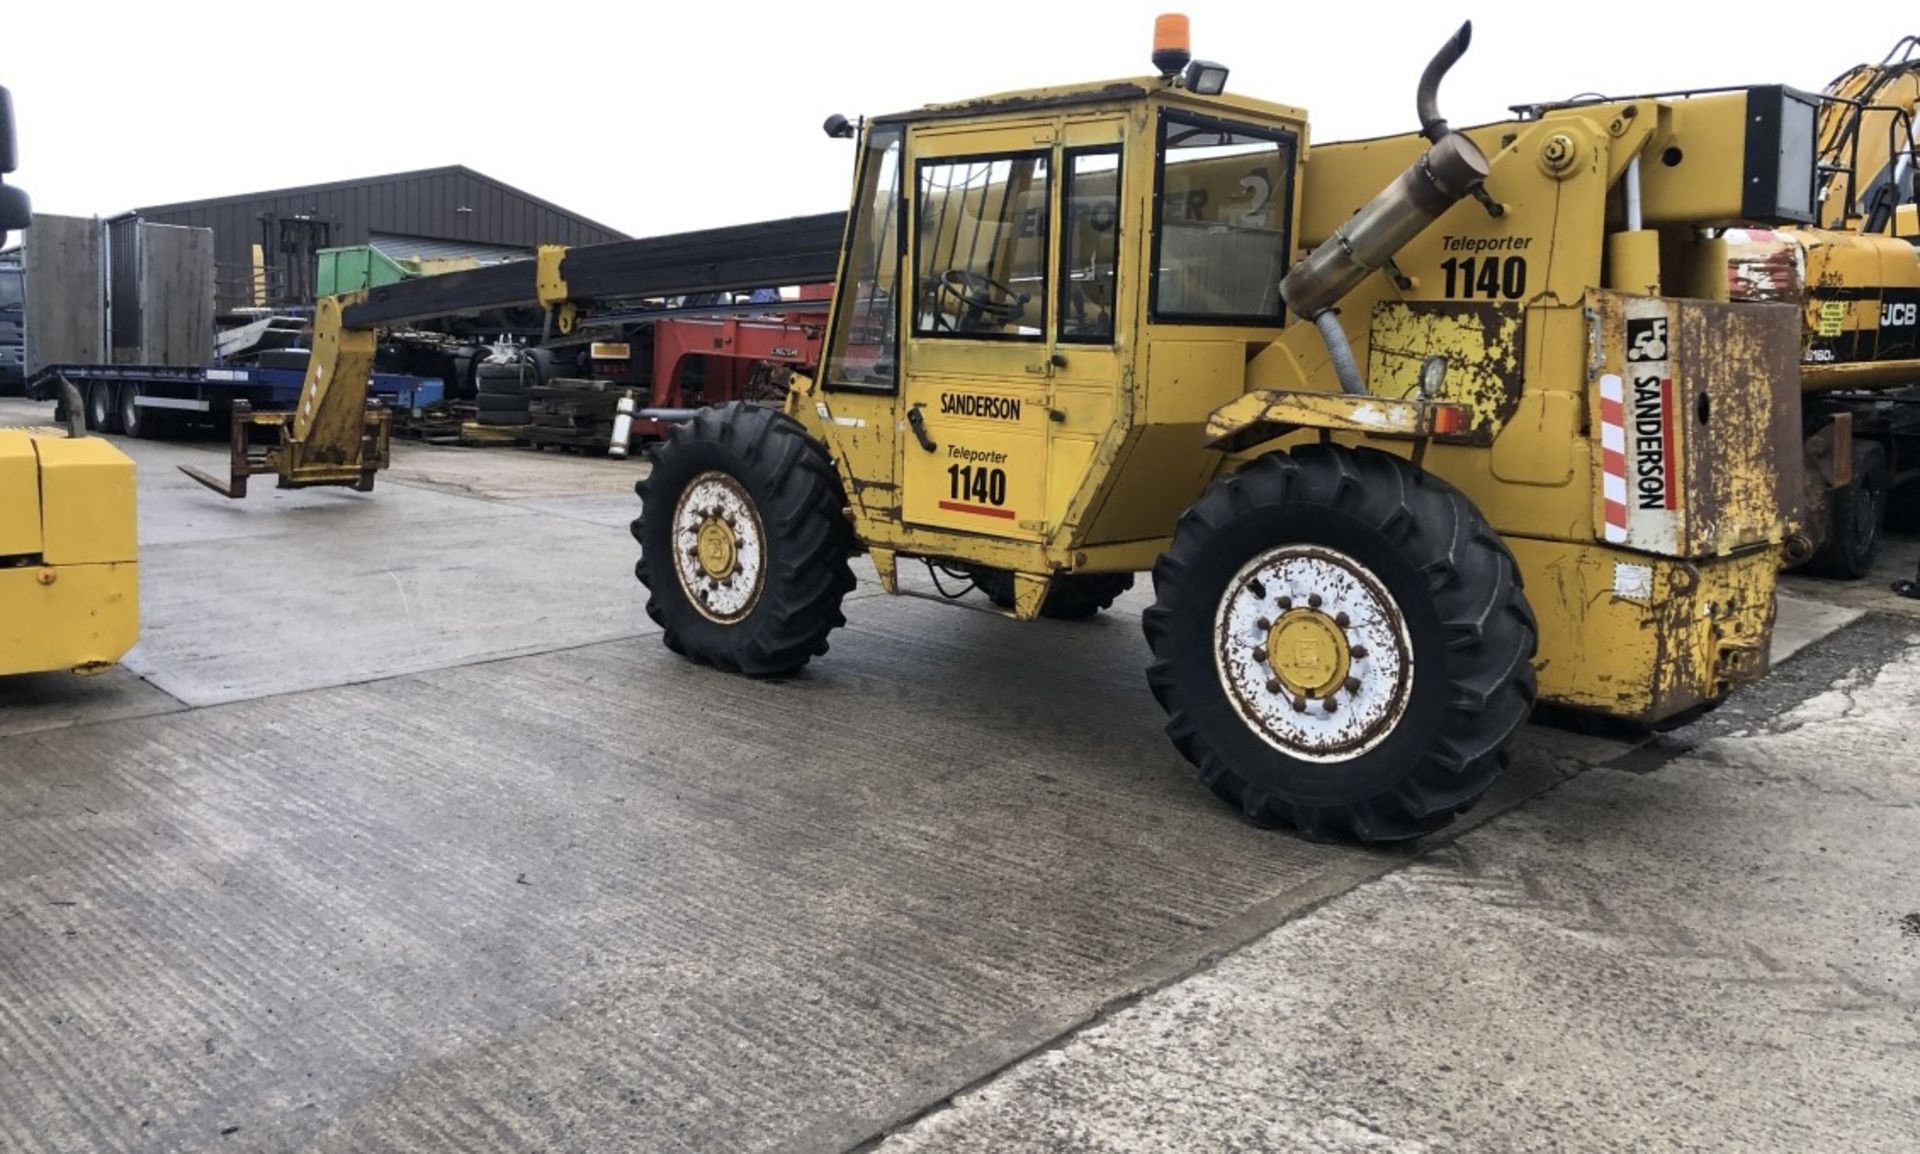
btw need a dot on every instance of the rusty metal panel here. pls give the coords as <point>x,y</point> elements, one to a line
<point>1696,408</point>
<point>1485,346</point>
<point>1744,471</point>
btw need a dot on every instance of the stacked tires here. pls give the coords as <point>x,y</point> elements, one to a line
<point>502,398</point>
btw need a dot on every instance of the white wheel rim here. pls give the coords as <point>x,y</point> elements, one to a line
<point>722,580</point>
<point>1305,626</point>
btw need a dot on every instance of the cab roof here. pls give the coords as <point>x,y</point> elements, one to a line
<point>1096,92</point>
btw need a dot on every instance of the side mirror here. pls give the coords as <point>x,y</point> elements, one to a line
<point>9,155</point>
<point>16,211</point>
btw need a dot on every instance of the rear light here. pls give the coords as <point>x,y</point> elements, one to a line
<point>1450,419</point>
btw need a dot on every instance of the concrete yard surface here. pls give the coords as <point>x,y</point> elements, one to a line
<point>401,831</point>
<point>1722,953</point>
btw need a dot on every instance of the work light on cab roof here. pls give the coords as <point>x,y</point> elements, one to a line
<point>1172,52</point>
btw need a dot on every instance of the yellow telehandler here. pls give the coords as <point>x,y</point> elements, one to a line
<point>1408,431</point>
<point>1411,432</point>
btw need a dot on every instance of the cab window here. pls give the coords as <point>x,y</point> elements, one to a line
<point>981,248</point>
<point>863,352</point>
<point>1090,246</point>
<point>1225,203</point>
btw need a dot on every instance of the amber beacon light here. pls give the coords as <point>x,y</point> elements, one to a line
<point>1172,43</point>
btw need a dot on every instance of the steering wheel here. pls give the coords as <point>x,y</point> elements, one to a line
<point>982,295</point>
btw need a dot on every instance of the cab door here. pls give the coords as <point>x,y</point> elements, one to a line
<point>1094,294</point>
<point>978,334</point>
<point>1011,358</point>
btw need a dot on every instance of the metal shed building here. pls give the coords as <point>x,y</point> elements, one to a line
<point>433,213</point>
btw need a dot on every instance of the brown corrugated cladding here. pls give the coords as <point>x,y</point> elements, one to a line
<point>427,203</point>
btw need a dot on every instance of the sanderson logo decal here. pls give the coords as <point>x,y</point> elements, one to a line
<point>984,405</point>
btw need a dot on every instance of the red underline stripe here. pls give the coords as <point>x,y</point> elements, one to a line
<point>981,510</point>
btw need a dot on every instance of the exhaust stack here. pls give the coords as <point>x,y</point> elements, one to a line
<point>1449,171</point>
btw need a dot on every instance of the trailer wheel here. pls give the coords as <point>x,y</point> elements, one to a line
<point>1071,597</point>
<point>134,420</point>
<point>1341,644</point>
<point>103,410</point>
<point>744,541</point>
<point>1854,516</point>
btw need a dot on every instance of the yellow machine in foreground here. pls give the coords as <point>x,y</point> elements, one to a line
<point>1342,400</point>
<point>69,581</point>
<point>69,584</point>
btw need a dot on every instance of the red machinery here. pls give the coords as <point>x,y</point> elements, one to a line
<point>699,361</point>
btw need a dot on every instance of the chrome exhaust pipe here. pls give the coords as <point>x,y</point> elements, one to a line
<point>1449,171</point>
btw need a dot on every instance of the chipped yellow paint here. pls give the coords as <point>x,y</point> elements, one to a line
<point>1642,637</point>
<point>1111,443</point>
<point>1484,346</point>
<point>1263,416</point>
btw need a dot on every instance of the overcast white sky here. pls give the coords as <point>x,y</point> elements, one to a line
<point>658,117</point>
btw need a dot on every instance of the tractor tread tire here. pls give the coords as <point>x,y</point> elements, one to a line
<point>1452,578</point>
<point>1853,533</point>
<point>793,484</point>
<point>1071,597</point>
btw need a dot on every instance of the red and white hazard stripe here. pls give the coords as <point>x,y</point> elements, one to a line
<point>1613,455</point>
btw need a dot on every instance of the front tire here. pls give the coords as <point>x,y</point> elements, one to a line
<point>1341,644</point>
<point>744,541</point>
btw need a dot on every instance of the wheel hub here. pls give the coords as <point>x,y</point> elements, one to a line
<point>719,553</point>
<point>719,547</point>
<point>1308,653</point>
<point>1313,652</point>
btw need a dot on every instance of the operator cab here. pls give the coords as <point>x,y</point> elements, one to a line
<point>1023,270</point>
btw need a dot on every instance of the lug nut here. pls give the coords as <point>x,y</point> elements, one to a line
<point>1352,685</point>
<point>1260,655</point>
<point>1358,653</point>
<point>1313,601</point>
<point>1299,705</point>
<point>1263,625</point>
<point>1332,705</point>
<point>1341,620</point>
<point>1286,603</point>
<point>1273,685</point>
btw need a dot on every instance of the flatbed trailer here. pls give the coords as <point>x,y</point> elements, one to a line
<point>151,400</point>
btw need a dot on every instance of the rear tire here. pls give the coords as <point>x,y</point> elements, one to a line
<point>1071,597</point>
<point>1350,577</point>
<point>744,541</point>
<point>1855,513</point>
